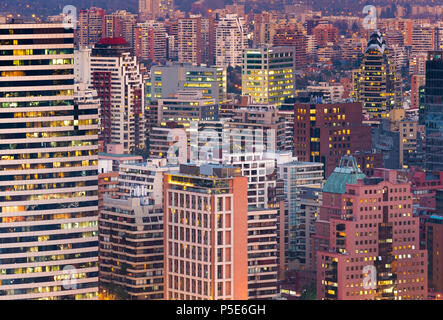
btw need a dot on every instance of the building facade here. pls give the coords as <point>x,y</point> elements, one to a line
<point>268,74</point>
<point>205,223</point>
<point>48,189</point>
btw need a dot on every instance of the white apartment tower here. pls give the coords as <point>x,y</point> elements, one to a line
<point>231,38</point>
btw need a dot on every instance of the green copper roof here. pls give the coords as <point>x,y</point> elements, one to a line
<point>346,173</point>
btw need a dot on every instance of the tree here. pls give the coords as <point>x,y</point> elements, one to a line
<point>117,290</point>
<point>309,292</point>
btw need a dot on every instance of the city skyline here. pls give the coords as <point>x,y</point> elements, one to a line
<point>229,150</point>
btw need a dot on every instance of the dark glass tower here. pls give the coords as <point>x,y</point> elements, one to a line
<point>432,115</point>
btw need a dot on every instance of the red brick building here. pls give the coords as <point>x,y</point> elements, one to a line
<point>324,132</point>
<point>291,36</point>
<point>325,33</point>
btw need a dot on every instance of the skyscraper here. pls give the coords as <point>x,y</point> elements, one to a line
<point>116,76</point>
<point>205,230</point>
<point>378,83</point>
<point>48,168</point>
<point>432,115</point>
<point>231,38</point>
<point>191,39</point>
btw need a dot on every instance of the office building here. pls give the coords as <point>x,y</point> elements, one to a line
<point>432,112</point>
<point>166,80</point>
<point>377,84</point>
<point>268,74</point>
<point>373,251</point>
<point>324,132</point>
<point>48,168</point>
<point>187,106</point>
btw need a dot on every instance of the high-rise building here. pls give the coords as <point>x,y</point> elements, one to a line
<point>161,141</point>
<point>116,76</point>
<point>48,168</point>
<point>150,8</point>
<point>423,38</point>
<point>261,174</point>
<point>263,123</point>
<point>205,232</point>
<point>231,38</point>
<point>292,36</point>
<point>268,74</point>
<point>431,115</point>
<point>108,165</point>
<point>185,107</point>
<point>417,63</point>
<point>131,232</point>
<point>150,41</point>
<point>351,49</point>
<point>264,28</point>
<point>324,132</point>
<point>378,82</point>
<point>296,175</point>
<point>417,81</point>
<point>91,26</point>
<point>310,202</point>
<point>191,39</point>
<point>262,253</point>
<point>373,251</point>
<point>434,245</point>
<point>325,33</point>
<point>438,37</point>
<point>120,24</point>
<point>155,8</point>
<point>329,93</point>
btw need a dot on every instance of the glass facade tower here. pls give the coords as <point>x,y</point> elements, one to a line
<point>432,115</point>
